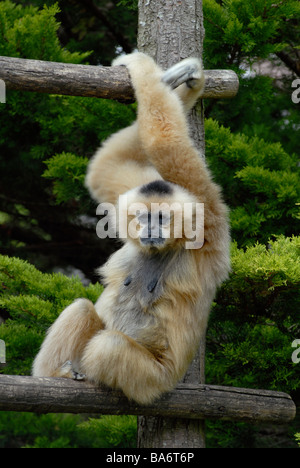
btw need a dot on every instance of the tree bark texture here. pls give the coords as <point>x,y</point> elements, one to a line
<point>195,402</point>
<point>169,31</point>
<point>166,432</point>
<point>91,81</point>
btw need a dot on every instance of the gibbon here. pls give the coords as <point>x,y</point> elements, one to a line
<point>144,330</point>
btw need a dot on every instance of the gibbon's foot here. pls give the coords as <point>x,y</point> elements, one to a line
<point>67,371</point>
<point>187,71</point>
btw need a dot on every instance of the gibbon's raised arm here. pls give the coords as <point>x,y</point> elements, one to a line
<point>119,165</point>
<point>162,124</point>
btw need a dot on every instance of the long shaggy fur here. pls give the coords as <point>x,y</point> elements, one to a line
<point>145,329</point>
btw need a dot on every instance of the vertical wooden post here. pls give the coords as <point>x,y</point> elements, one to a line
<point>169,31</point>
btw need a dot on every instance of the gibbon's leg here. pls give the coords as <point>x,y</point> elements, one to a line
<point>63,346</point>
<point>118,166</point>
<point>115,359</point>
<point>188,79</point>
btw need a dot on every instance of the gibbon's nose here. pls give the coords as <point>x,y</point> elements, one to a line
<point>153,231</point>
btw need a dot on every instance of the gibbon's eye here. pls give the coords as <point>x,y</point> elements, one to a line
<point>164,218</point>
<point>148,217</point>
<point>150,232</point>
<point>144,218</point>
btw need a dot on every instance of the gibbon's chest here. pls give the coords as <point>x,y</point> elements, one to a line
<point>145,279</point>
<point>140,285</point>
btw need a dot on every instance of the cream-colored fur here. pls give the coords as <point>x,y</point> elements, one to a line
<point>143,331</point>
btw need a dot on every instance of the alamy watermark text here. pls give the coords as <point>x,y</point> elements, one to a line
<point>2,92</point>
<point>161,221</point>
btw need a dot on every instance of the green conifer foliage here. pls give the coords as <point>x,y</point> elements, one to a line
<point>260,183</point>
<point>33,300</point>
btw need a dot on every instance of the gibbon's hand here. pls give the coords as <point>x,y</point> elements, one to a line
<point>187,71</point>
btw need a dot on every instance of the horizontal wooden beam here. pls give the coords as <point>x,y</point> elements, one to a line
<point>94,81</point>
<point>54,395</point>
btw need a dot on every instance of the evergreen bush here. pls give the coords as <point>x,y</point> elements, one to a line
<point>260,183</point>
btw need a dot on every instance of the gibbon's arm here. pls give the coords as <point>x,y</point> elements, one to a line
<point>163,128</point>
<point>118,166</point>
<point>121,163</point>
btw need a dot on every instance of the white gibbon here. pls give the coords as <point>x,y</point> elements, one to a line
<point>145,328</point>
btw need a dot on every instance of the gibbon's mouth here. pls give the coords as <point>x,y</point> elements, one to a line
<point>152,241</point>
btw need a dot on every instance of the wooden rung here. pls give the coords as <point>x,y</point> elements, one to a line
<point>94,81</point>
<point>57,395</point>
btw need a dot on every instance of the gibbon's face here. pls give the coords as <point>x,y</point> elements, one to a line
<point>155,215</point>
<point>154,228</point>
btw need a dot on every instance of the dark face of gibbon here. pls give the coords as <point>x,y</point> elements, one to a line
<point>156,222</point>
<point>154,228</point>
